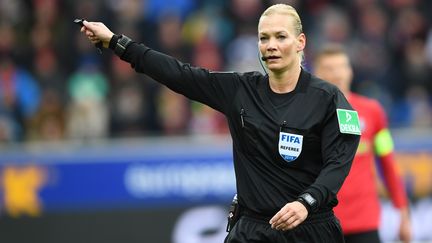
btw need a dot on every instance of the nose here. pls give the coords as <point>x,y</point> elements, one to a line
<point>271,44</point>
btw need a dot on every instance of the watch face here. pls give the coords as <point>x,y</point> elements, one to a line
<point>309,199</point>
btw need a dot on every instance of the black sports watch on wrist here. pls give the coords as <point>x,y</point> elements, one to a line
<point>121,45</point>
<point>308,201</point>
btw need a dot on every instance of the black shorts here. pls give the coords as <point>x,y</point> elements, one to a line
<point>367,236</point>
<point>318,228</point>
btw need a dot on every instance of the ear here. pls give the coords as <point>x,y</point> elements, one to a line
<point>301,42</point>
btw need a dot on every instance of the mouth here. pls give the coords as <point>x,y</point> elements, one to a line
<point>272,57</point>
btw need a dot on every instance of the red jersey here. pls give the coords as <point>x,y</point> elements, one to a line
<point>359,206</point>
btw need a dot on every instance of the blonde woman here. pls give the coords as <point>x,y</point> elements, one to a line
<point>294,136</point>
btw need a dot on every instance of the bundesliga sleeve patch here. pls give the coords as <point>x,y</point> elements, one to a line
<point>348,121</point>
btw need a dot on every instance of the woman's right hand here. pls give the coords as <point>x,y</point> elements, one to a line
<point>97,32</point>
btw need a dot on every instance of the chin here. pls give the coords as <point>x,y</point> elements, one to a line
<point>274,68</point>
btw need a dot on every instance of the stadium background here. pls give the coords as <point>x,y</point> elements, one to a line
<point>92,152</point>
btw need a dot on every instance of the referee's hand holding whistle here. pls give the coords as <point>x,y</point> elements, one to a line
<point>289,217</point>
<point>97,31</point>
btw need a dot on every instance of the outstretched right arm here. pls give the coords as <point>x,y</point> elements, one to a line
<point>216,89</point>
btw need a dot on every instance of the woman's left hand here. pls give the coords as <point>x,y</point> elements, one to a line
<point>289,217</point>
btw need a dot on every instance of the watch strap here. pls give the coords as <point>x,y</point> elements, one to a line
<point>308,201</point>
<point>122,43</point>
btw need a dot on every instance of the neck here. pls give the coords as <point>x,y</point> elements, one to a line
<point>347,94</point>
<point>345,90</point>
<point>284,82</point>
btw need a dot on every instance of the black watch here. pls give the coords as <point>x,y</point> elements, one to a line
<point>308,201</point>
<point>121,45</point>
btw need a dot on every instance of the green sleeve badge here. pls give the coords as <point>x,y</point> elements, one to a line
<point>348,121</point>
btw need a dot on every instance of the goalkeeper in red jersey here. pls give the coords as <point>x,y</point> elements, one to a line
<point>359,206</point>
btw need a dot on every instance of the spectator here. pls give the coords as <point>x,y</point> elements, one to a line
<point>19,91</point>
<point>88,112</point>
<point>393,35</point>
<point>132,112</point>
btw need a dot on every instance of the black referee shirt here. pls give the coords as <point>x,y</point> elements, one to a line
<point>258,119</point>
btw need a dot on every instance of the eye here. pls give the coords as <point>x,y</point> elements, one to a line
<point>281,37</point>
<point>263,38</point>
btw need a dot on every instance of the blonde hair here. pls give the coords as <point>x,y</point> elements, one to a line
<point>286,9</point>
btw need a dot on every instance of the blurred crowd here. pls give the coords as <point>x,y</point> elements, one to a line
<point>54,85</point>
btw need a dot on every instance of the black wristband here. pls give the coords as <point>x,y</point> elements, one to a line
<point>121,44</point>
<point>308,201</point>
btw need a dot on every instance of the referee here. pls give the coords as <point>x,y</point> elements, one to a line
<point>294,135</point>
